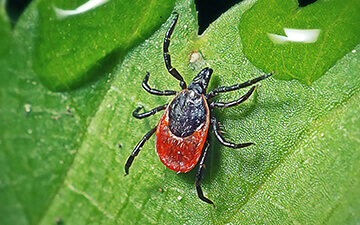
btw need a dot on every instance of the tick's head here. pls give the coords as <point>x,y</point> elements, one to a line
<point>201,81</point>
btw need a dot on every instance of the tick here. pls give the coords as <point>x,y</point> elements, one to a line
<point>182,132</point>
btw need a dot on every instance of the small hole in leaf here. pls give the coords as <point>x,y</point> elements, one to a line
<point>303,3</point>
<point>210,10</point>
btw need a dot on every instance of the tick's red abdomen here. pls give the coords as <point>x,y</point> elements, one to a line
<point>181,153</point>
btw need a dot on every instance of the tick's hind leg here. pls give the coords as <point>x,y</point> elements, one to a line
<point>138,115</point>
<point>137,149</point>
<point>167,57</point>
<point>154,91</point>
<point>222,140</point>
<point>199,175</point>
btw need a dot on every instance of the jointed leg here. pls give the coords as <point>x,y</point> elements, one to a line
<point>221,139</point>
<point>218,90</point>
<point>137,149</point>
<point>199,175</point>
<point>154,91</point>
<point>167,57</point>
<point>138,115</point>
<point>233,103</point>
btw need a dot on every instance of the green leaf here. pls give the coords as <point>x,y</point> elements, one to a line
<point>337,20</point>
<point>5,30</point>
<point>72,50</point>
<point>60,159</point>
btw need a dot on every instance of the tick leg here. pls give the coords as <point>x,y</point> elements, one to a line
<point>154,91</point>
<point>222,140</point>
<point>138,115</point>
<point>233,103</point>
<point>137,149</point>
<point>167,57</point>
<point>199,175</point>
<point>222,89</point>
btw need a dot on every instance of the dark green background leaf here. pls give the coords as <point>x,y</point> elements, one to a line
<point>5,30</point>
<point>60,160</point>
<point>338,20</point>
<point>72,51</point>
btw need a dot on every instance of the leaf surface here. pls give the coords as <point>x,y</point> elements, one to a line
<point>72,50</point>
<point>338,22</point>
<point>62,154</point>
